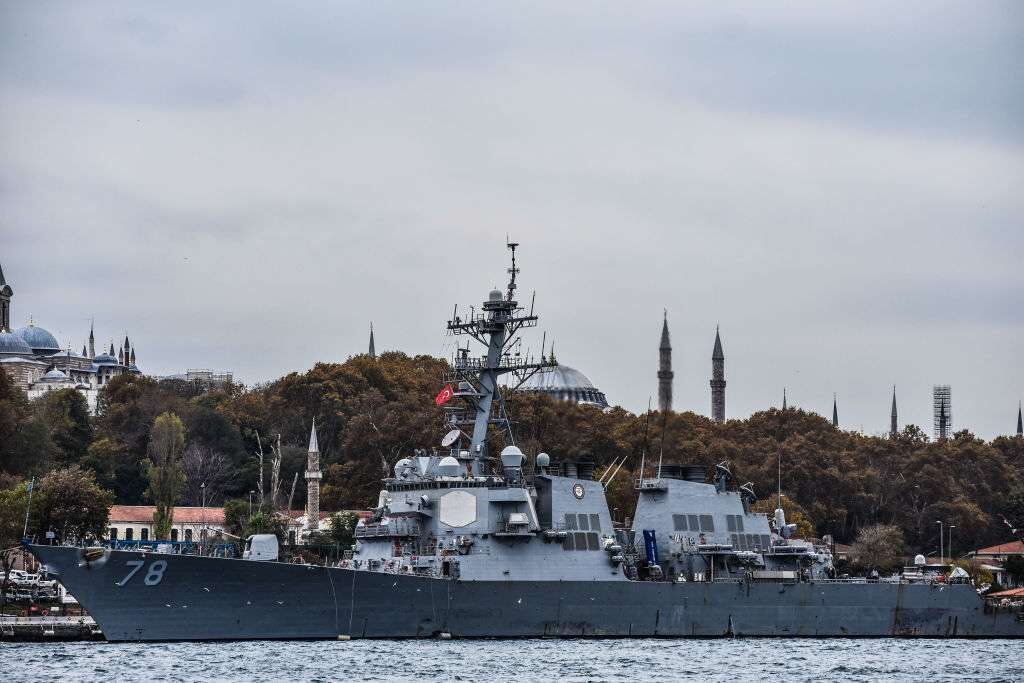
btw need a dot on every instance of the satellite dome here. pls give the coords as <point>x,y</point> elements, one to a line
<point>495,295</point>
<point>543,460</point>
<point>40,339</point>
<point>402,467</point>
<point>511,456</point>
<point>919,561</point>
<point>448,467</point>
<point>565,384</point>
<point>12,344</point>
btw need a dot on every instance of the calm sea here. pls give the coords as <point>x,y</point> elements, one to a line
<point>519,660</point>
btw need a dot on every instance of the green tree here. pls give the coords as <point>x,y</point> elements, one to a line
<point>343,528</point>
<point>166,478</point>
<point>66,414</point>
<point>70,503</point>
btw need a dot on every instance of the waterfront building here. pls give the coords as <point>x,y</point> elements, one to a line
<point>665,373</point>
<point>717,380</point>
<point>207,379</point>
<point>135,523</point>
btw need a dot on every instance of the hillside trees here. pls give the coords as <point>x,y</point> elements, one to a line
<point>164,472</point>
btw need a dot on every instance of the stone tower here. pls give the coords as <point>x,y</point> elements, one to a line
<point>313,477</point>
<point>894,425</point>
<point>92,340</point>
<point>718,381</point>
<point>665,373</point>
<point>835,412</point>
<point>5,302</point>
<point>373,349</point>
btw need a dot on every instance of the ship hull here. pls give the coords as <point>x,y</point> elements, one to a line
<point>201,598</point>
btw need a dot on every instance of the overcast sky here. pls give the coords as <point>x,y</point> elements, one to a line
<point>245,186</point>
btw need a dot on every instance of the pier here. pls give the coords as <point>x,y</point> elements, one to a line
<point>42,629</point>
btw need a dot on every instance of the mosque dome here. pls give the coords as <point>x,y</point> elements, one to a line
<point>104,359</point>
<point>566,384</point>
<point>54,375</point>
<point>12,344</point>
<point>38,338</point>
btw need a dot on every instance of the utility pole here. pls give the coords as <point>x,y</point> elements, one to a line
<point>941,555</point>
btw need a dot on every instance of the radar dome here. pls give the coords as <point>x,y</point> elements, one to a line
<point>495,295</point>
<point>448,467</point>
<point>511,456</point>
<point>543,460</point>
<point>919,561</point>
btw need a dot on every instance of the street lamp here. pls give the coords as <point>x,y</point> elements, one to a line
<point>202,533</point>
<point>939,522</point>
<point>949,546</point>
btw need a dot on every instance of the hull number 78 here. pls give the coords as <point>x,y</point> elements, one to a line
<point>154,576</point>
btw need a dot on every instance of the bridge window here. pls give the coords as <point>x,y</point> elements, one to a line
<point>595,521</point>
<point>584,523</point>
<point>592,543</point>
<point>766,542</point>
<point>679,522</point>
<point>570,521</point>
<point>581,540</point>
<point>707,523</point>
<point>730,522</point>
<point>735,542</point>
<point>694,525</point>
<point>569,543</point>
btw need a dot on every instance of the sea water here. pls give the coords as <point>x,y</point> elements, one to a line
<point>519,660</point>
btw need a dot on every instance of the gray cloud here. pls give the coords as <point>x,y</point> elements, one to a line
<point>247,186</point>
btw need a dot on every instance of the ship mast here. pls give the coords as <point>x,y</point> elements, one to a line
<point>475,379</point>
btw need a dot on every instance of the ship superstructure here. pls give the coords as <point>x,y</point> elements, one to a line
<point>466,542</point>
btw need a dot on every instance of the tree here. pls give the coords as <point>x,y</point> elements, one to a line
<point>879,546</point>
<point>12,510</point>
<point>70,503</point>
<point>203,465</point>
<point>1014,566</point>
<point>343,528</point>
<point>66,414</point>
<point>166,478</point>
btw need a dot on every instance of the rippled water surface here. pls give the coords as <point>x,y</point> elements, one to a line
<point>522,660</point>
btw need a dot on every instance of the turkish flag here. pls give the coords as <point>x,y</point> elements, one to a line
<point>444,395</point>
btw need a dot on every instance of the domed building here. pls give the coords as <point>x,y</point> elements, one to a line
<point>36,363</point>
<point>39,339</point>
<point>565,384</point>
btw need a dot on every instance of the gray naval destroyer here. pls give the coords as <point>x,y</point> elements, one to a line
<point>465,544</point>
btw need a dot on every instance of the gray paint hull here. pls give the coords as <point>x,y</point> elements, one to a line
<point>200,598</point>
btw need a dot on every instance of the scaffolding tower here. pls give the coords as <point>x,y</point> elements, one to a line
<point>942,411</point>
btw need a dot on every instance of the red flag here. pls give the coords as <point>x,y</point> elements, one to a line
<point>445,395</point>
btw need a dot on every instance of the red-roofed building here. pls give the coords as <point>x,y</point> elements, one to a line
<point>994,557</point>
<point>135,522</point>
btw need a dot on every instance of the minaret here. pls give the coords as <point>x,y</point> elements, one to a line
<point>718,380</point>
<point>783,398</point>
<point>1020,421</point>
<point>835,412</point>
<point>84,350</point>
<point>894,426</point>
<point>373,349</point>
<point>92,341</point>
<point>5,302</point>
<point>111,348</point>
<point>942,420</point>
<point>120,356</point>
<point>313,476</point>
<point>133,356</point>
<point>127,351</point>
<point>665,373</point>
